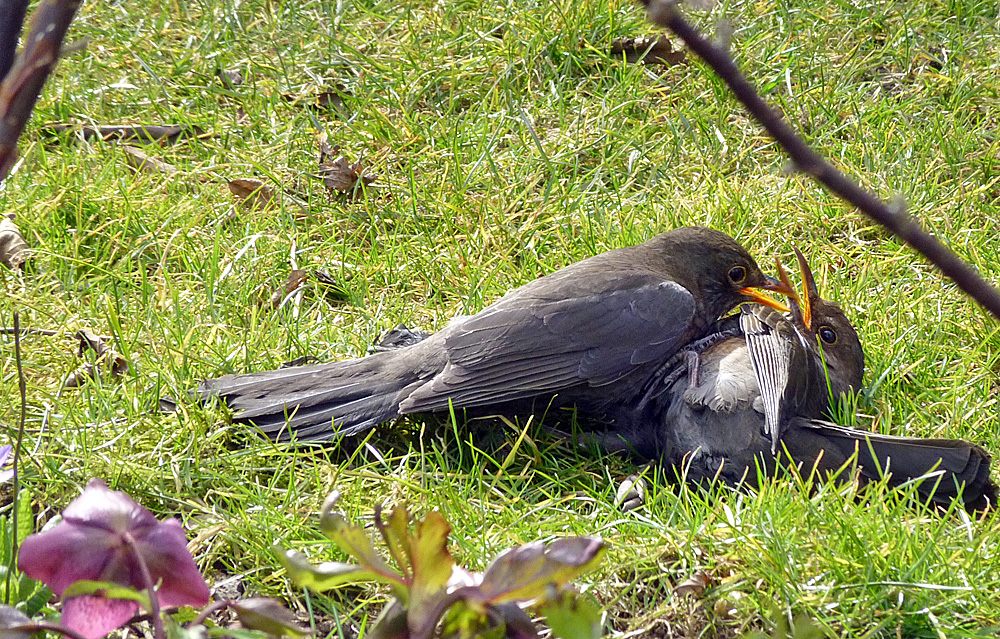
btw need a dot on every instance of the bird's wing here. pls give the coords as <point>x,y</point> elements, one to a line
<point>533,342</point>
<point>775,349</point>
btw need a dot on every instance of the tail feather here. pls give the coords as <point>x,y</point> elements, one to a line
<point>318,402</point>
<point>945,468</point>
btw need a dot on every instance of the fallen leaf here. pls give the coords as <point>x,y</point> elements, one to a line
<point>295,280</point>
<point>649,50</point>
<point>253,194</point>
<point>324,101</point>
<point>142,163</point>
<point>338,174</point>
<point>88,341</point>
<point>13,248</point>
<point>299,361</point>
<point>230,78</point>
<point>163,133</point>
<point>694,585</point>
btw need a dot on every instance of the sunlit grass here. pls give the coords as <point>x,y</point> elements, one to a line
<point>507,143</point>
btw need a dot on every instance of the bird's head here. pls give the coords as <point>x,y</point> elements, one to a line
<point>826,330</point>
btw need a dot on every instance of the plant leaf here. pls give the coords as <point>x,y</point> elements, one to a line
<point>107,590</point>
<point>268,615</point>
<point>354,541</point>
<point>524,572</point>
<point>572,617</point>
<point>10,617</point>
<point>326,575</point>
<point>432,568</point>
<point>391,623</point>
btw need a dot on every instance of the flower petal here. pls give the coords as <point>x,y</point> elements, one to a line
<point>109,509</point>
<point>65,554</point>
<point>94,617</point>
<point>164,547</point>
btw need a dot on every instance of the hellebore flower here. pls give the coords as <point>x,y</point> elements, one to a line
<point>105,536</point>
<point>5,475</point>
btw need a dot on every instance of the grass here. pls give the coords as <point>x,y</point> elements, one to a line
<point>507,143</point>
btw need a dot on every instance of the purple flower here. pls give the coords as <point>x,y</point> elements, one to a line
<point>99,538</point>
<point>5,475</point>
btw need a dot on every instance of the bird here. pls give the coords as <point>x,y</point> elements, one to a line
<point>762,400</point>
<point>588,337</point>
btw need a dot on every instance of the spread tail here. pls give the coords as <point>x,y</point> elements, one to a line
<point>319,402</point>
<point>949,467</point>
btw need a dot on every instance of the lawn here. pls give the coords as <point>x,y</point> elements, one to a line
<point>505,141</point>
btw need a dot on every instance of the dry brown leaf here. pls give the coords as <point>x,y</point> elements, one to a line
<point>89,341</point>
<point>230,78</point>
<point>695,585</point>
<point>324,101</point>
<point>162,133</point>
<point>13,248</point>
<point>656,50</point>
<point>253,194</point>
<point>295,280</point>
<point>338,174</point>
<point>142,163</point>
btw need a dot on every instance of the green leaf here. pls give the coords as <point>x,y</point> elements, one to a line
<point>432,567</point>
<point>326,575</point>
<point>5,547</point>
<point>268,615</point>
<point>25,518</point>
<point>524,572</point>
<point>353,540</point>
<point>106,589</point>
<point>397,532</point>
<point>573,617</point>
<point>38,600</point>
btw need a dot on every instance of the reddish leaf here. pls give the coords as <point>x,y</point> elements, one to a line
<point>525,572</point>
<point>338,174</point>
<point>253,194</point>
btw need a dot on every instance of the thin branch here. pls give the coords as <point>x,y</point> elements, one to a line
<point>24,82</point>
<point>666,14</point>
<point>11,20</point>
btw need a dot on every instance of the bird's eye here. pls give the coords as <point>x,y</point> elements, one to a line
<point>827,334</point>
<point>737,274</point>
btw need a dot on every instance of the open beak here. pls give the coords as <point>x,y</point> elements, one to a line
<point>774,285</point>
<point>809,290</point>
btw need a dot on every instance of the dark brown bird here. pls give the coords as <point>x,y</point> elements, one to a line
<point>761,397</point>
<point>590,335</point>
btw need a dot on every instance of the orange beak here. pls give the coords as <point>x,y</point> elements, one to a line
<point>776,286</point>
<point>809,290</point>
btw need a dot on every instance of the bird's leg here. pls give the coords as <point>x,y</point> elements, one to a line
<point>671,370</point>
<point>693,361</point>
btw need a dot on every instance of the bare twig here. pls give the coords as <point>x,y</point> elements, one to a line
<point>24,82</point>
<point>11,19</point>
<point>665,13</point>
